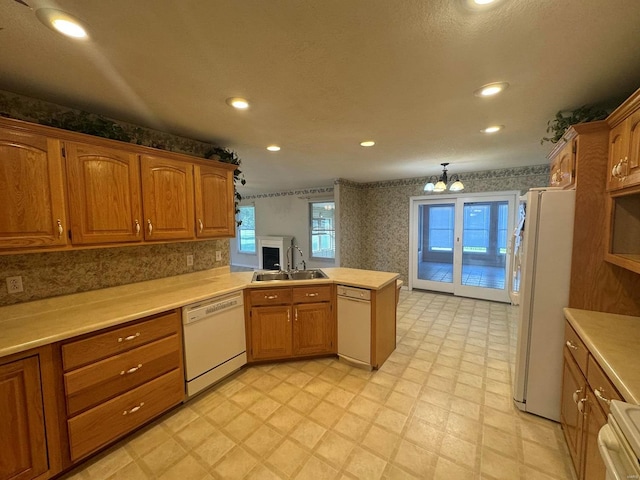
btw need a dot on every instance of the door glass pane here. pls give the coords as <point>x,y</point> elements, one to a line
<point>435,242</point>
<point>484,244</point>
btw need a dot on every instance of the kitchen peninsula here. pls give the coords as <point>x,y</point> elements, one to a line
<point>59,355</point>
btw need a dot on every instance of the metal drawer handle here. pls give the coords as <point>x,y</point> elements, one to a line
<point>137,223</point>
<point>571,345</point>
<point>270,297</point>
<point>312,294</point>
<point>150,225</point>
<point>288,315</point>
<point>129,338</point>
<point>132,369</point>
<point>60,229</point>
<point>581,405</point>
<point>134,409</point>
<point>599,395</point>
<point>575,395</point>
<point>296,314</point>
<point>201,225</point>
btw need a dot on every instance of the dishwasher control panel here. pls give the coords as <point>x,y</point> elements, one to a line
<point>353,292</point>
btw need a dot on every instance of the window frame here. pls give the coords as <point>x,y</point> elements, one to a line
<point>331,232</point>
<point>240,229</point>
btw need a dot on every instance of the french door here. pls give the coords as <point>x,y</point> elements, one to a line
<point>460,244</point>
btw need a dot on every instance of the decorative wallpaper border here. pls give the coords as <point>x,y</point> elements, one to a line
<point>464,176</point>
<point>306,191</point>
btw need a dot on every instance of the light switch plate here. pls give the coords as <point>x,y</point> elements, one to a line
<point>189,260</point>
<point>218,255</point>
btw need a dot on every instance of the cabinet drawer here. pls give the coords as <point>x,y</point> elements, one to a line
<point>100,425</point>
<point>576,347</point>
<point>270,296</point>
<point>601,385</point>
<point>100,381</point>
<point>320,293</point>
<point>97,347</point>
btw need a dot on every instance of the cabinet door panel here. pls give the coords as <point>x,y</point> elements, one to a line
<point>167,193</point>
<point>270,332</point>
<point>594,468</point>
<point>573,384</point>
<point>618,148</point>
<point>312,329</point>
<point>104,194</point>
<point>214,201</point>
<point>23,447</point>
<point>633,172</point>
<point>32,209</point>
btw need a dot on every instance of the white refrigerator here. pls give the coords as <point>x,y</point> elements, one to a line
<point>547,242</point>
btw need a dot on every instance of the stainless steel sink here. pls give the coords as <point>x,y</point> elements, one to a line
<point>299,275</point>
<point>307,275</point>
<point>264,277</point>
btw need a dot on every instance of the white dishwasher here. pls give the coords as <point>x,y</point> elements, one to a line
<point>354,325</point>
<point>214,340</point>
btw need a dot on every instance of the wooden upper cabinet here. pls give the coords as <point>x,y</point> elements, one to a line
<point>104,194</point>
<point>214,201</point>
<point>563,167</point>
<point>32,205</point>
<point>23,445</point>
<point>167,198</point>
<point>624,145</point>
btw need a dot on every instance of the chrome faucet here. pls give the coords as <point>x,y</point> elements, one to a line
<point>289,262</point>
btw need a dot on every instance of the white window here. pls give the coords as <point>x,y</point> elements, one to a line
<point>247,230</point>
<point>322,229</point>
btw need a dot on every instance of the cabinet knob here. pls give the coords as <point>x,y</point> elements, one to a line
<point>150,226</point>
<point>575,395</point>
<point>571,345</point>
<point>581,405</point>
<point>599,395</point>
<point>270,297</point>
<point>312,294</point>
<point>137,227</point>
<point>60,229</point>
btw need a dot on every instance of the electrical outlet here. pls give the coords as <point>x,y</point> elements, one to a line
<point>189,260</point>
<point>218,255</point>
<point>14,284</point>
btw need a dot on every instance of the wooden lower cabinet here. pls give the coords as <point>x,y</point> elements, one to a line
<point>290,322</point>
<point>270,332</point>
<point>312,332</point>
<point>112,419</point>
<point>29,425</point>
<point>573,399</point>
<point>119,379</point>
<point>23,447</point>
<point>583,412</point>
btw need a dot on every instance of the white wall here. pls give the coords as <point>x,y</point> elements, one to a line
<point>284,214</point>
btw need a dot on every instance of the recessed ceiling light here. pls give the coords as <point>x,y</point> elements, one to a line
<point>273,148</point>
<point>479,5</point>
<point>239,103</point>
<point>367,143</point>
<point>62,23</point>
<point>491,89</point>
<point>492,129</point>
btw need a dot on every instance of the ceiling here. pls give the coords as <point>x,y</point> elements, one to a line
<point>324,75</point>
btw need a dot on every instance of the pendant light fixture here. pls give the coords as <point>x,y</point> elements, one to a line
<point>441,183</point>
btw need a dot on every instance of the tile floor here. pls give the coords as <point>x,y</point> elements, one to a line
<point>472,275</point>
<point>439,408</point>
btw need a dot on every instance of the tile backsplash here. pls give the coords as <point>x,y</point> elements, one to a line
<point>50,274</point>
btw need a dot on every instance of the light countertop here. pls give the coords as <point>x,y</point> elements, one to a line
<point>33,324</point>
<point>614,341</point>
